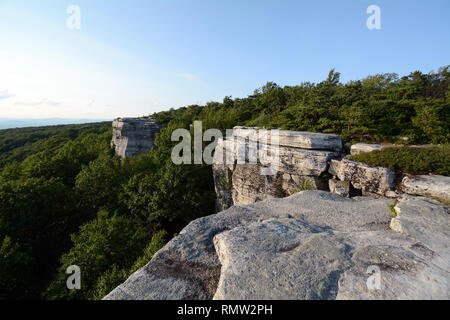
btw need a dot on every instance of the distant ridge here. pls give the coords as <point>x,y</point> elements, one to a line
<point>8,123</point>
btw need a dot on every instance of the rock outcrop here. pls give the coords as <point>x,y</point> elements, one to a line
<point>427,185</point>
<point>133,136</point>
<point>368,179</point>
<point>293,139</point>
<point>311,245</point>
<point>302,158</point>
<point>339,187</point>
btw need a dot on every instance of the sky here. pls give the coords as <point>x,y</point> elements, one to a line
<point>133,58</point>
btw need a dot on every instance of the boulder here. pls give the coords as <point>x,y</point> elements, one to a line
<point>427,185</point>
<point>362,176</point>
<point>311,245</point>
<point>280,259</point>
<point>287,259</point>
<point>364,147</point>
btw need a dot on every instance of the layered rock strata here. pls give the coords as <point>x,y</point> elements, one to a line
<point>364,147</point>
<point>242,165</point>
<point>361,176</point>
<point>427,185</point>
<point>133,136</point>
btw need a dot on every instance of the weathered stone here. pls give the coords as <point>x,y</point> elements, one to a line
<point>133,136</point>
<point>286,259</point>
<point>312,245</point>
<point>406,270</point>
<point>393,194</point>
<point>293,168</point>
<point>417,269</point>
<point>339,187</point>
<point>294,139</point>
<point>364,147</point>
<point>362,176</point>
<point>427,185</point>
<point>280,259</point>
<point>290,160</point>
<point>223,185</point>
<point>188,267</point>
<point>425,220</point>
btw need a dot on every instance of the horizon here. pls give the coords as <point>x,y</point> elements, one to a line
<point>17,123</point>
<point>136,58</point>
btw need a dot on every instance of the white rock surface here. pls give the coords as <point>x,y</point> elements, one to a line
<point>295,139</point>
<point>364,147</point>
<point>341,188</point>
<point>188,266</point>
<point>312,245</point>
<point>427,185</point>
<point>363,176</point>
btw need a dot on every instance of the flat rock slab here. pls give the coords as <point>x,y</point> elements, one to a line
<point>294,139</point>
<point>312,245</point>
<point>427,185</point>
<point>280,259</point>
<point>362,176</point>
<point>190,261</point>
<point>284,259</point>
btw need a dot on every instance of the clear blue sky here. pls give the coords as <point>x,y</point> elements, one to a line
<point>132,57</point>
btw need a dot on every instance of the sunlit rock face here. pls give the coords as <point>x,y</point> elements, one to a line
<point>368,179</point>
<point>364,147</point>
<point>303,158</point>
<point>133,136</point>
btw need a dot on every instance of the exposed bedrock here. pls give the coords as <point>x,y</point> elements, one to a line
<point>311,245</point>
<point>133,136</point>
<point>303,157</point>
<point>368,179</point>
<point>364,147</point>
<point>427,185</point>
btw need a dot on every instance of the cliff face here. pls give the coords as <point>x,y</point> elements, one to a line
<point>133,136</point>
<point>303,158</point>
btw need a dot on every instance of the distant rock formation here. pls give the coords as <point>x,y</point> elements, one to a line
<point>133,136</point>
<point>311,245</point>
